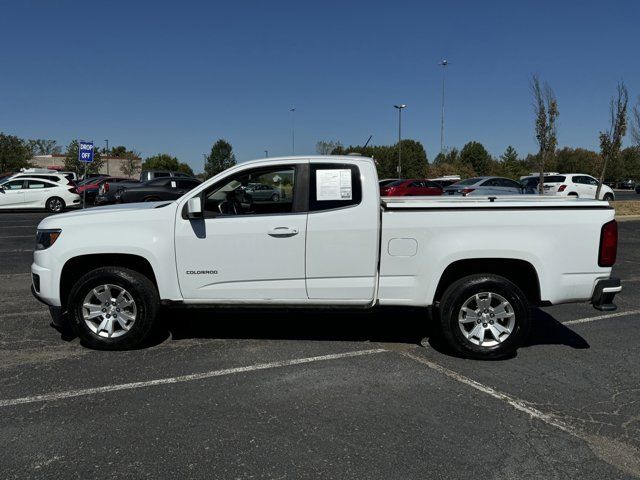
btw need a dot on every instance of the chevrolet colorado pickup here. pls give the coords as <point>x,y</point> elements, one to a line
<point>476,265</point>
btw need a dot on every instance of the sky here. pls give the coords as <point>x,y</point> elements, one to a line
<point>173,77</point>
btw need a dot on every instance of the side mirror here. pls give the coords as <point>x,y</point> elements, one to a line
<point>194,207</point>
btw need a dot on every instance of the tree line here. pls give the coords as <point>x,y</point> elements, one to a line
<point>612,162</point>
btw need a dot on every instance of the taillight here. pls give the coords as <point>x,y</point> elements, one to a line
<point>608,244</point>
<point>73,190</point>
<point>467,191</point>
<point>561,188</point>
<point>105,187</point>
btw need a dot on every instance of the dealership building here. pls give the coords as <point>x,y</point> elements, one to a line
<point>111,165</point>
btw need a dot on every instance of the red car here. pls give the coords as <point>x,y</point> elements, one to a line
<point>410,187</point>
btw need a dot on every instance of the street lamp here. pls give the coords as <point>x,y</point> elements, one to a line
<point>400,107</point>
<point>443,64</point>
<point>293,131</point>
<point>266,154</point>
<point>107,142</point>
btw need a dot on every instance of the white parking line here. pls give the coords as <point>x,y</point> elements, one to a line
<point>624,456</point>
<point>505,397</point>
<point>183,378</point>
<point>601,317</point>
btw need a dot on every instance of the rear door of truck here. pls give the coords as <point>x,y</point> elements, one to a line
<point>342,232</point>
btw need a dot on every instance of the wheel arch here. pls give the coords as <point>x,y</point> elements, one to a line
<point>75,267</point>
<point>520,272</point>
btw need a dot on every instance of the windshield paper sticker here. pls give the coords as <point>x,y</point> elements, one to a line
<point>334,184</point>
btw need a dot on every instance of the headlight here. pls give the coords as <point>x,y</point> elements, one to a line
<point>46,238</point>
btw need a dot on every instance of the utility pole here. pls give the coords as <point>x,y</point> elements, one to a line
<point>443,64</point>
<point>107,141</point>
<point>204,155</point>
<point>400,107</point>
<point>293,131</point>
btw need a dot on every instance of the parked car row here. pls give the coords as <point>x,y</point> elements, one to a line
<point>569,184</point>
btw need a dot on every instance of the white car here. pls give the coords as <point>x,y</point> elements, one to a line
<point>28,192</point>
<point>42,174</point>
<point>578,185</point>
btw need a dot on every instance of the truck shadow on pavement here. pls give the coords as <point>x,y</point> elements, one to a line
<point>384,325</point>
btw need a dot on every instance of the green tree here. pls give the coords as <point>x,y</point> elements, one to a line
<point>14,153</point>
<point>40,146</point>
<point>414,158</point>
<point>546,112</point>
<point>164,161</point>
<point>611,140</point>
<point>577,160</point>
<point>72,163</point>
<point>325,147</point>
<point>510,164</point>
<point>475,155</point>
<point>220,158</point>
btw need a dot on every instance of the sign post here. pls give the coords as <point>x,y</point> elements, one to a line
<point>85,154</point>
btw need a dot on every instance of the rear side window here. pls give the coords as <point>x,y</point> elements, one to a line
<point>161,174</point>
<point>187,183</point>
<point>555,179</point>
<point>334,185</point>
<point>31,184</point>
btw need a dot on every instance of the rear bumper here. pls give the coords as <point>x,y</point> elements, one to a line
<point>604,293</point>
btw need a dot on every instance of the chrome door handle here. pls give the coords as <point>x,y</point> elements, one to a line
<point>282,232</point>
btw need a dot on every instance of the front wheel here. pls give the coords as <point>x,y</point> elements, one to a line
<point>55,205</point>
<point>608,197</point>
<point>113,308</point>
<point>484,316</point>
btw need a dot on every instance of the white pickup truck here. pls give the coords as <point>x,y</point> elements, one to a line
<point>321,236</point>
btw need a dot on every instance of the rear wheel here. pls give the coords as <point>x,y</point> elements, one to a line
<point>113,308</point>
<point>572,194</point>
<point>607,197</point>
<point>484,316</point>
<point>55,205</point>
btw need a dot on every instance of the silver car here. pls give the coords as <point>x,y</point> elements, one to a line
<point>485,186</point>
<point>260,192</point>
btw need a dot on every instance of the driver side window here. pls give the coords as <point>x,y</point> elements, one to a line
<point>253,192</point>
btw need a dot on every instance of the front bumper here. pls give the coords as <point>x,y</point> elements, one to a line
<point>604,293</point>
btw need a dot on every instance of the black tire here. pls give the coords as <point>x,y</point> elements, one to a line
<point>55,205</point>
<point>608,197</point>
<point>144,294</point>
<point>457,294</point>
<point>275,197</point>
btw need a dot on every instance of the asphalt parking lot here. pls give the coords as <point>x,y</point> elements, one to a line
<point>317,394</point>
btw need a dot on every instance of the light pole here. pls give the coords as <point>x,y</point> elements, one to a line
<point>266,154</point>
<point>107,142</point>
<point>443,64</point>
<point>204,155</point>
<point>400,107</point>
<point>293,131</point>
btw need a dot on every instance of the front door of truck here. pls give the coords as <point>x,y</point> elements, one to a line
<point>246,248</point>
